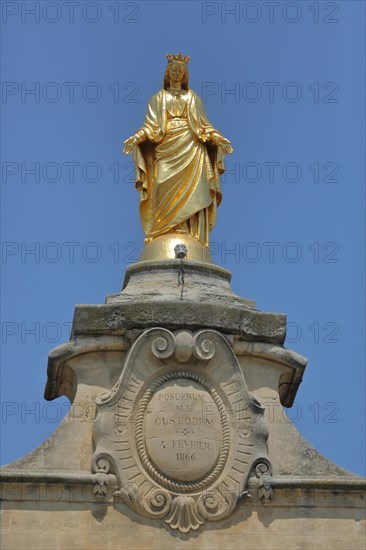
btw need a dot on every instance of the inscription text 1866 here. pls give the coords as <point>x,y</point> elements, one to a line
<point>183,430</point>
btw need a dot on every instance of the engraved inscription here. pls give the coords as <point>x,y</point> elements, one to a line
<point>182,430</point>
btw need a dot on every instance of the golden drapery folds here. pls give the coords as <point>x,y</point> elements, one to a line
<point>177,170</point>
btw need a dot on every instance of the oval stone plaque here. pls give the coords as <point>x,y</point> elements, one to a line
<point>182,430</point>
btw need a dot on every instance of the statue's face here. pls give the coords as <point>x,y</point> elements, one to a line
<point>176,72</point>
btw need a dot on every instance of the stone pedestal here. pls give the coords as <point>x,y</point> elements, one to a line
<point>176,436</point>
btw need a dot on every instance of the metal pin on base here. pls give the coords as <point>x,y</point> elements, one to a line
<point>181,252</point>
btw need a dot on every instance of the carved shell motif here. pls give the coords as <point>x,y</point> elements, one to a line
<point>184,515</point>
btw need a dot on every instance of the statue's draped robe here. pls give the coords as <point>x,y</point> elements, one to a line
<point>177,174</point>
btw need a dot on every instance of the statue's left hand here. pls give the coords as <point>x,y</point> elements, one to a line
<point>225,146</point>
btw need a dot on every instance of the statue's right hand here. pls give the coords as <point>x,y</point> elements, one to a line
<point>129,145</point>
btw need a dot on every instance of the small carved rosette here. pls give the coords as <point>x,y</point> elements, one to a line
<point>180,430</point>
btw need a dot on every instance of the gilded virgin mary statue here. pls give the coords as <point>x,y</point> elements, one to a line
<point>179,157</point>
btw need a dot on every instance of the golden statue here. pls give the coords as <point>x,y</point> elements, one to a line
<point>179,157</point>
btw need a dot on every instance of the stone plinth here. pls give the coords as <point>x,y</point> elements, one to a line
<point>176,436</point>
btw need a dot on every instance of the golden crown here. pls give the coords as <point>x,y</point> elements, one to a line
<point>177,57</point>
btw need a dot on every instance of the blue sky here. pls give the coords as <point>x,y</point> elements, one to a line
<point>285,83</point>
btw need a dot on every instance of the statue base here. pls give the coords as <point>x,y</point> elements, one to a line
<point>162,248</point>
<point>177,431</point>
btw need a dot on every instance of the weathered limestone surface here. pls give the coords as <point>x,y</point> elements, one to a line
<point>69,525</point>
<point>63,495</point>
<point>151,297</point>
